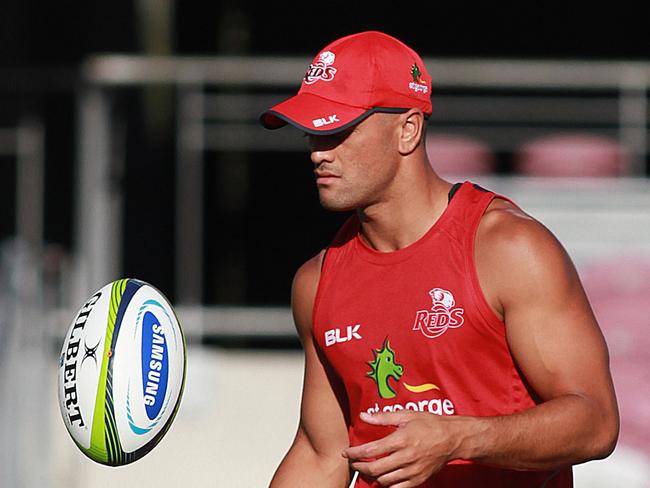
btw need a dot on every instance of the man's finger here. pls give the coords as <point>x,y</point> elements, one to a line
<point>387,418</point>
<point>372,449</point>
<point>384,467</point>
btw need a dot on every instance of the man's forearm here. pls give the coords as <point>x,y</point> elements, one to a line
<point>302,466</point>
<point>566,430</point>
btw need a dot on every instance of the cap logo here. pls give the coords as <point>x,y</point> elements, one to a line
<point>322,69</point>
<point>325,121</point>
<point>417,85</point>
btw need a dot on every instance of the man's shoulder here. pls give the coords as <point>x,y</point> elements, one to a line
<point>512,241</point>
<point>303,293</point>
<point>506,227</point>
<point>310,269</point>
<point>517,256</point>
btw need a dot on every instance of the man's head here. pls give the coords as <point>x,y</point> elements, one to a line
<point>352,78</point>
<point>362,103</point>
<point>363,165</point>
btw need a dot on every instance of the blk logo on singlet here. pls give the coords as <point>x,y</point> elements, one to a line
<point>335,336</point>
<point>444,315</point>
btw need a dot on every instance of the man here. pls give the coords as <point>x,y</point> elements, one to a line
<point>448,341</point>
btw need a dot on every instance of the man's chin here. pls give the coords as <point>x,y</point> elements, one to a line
<point>336,206</point>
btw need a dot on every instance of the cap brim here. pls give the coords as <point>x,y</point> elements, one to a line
<point>313,114</point>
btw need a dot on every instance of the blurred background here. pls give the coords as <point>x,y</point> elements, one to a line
<point>129,147</point>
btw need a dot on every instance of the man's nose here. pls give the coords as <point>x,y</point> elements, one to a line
<point>322,148</point>
<point>320,156</point>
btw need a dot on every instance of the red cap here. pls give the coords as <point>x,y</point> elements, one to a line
<point>352,78</point>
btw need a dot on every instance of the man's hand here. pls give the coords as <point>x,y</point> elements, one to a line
<point>420,447</point>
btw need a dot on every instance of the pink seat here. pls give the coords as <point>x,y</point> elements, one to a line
<point>619,276</point>
<point>578,154</point>
<point>619,290</point>
<point>625,324</point>
<point>630,380</point>
<point>456,155</point>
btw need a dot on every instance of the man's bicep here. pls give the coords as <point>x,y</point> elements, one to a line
<point>321,410</point>
<point>321,413</point>
<point>551,329</point>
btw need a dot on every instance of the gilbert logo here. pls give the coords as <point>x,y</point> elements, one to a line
<point>334,336</point>
<point>322,69</point>
<point>325,121</point>
<point>68,362</point>
<point>443,315</point>
<point>91,352</point>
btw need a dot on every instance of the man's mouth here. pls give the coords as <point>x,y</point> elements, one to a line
<point>325,177</point>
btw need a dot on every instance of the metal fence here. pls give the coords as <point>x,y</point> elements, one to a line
<point>24,338</point>
<point>504,102</point>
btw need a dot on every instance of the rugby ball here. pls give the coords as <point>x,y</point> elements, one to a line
<point>121,372</point>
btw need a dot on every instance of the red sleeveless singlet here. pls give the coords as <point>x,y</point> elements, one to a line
<point>411,329</point>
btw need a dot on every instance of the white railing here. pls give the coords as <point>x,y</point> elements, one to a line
<point>23,328</point>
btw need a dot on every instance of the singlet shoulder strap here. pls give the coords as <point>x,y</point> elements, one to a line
<point>465,210</point>
<point>452,191</point>
<point>345,234</point>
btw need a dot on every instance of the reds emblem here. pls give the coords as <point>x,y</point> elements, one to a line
<point>443,315</point>
<point>322,69</point>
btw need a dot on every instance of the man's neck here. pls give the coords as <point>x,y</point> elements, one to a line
<point>398,222</point>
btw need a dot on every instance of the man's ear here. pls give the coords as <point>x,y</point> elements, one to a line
<point>411,130</point>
